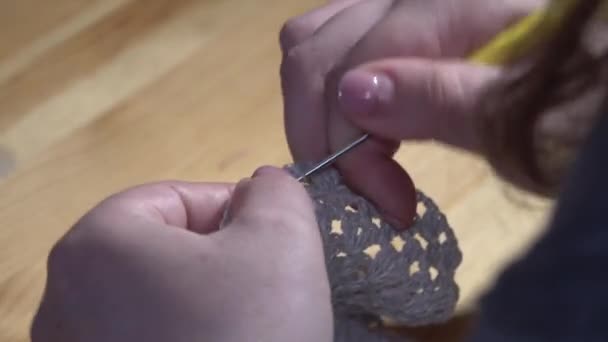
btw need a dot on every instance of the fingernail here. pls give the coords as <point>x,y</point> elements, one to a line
<point>397,224</point>
<point>361,92</point>
<point>267,170</point>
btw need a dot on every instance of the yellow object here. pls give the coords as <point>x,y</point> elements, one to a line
<point>524,35</point>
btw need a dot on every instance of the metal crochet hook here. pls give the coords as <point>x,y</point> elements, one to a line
<point>329,160</point>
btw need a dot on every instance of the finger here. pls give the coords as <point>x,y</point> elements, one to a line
<point>271,218</point>
<point>272,227</point>
<point>373,173</point>
<point>413,99</point>
<point>433,29</point>
<point>298,29</point>
<point>303,72</point>
<point>197,207</point>
<point>438,28</point>
<point>271,200</point>
<point>407,99</point>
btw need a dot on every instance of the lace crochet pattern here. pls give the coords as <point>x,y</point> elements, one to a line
<point>379,276</point>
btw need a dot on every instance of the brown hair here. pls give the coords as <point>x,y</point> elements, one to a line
<point>561,71</point>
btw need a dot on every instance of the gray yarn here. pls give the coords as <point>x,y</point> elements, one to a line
<point>368,290</point>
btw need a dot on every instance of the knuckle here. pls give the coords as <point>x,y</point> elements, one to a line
<point>294,32</point>
<point>66,261</point>
<point>449,98</point>
<point>436,88</point>
<point>153,188</point>
<point>59,258</point>
<point>436,99</point>
<point>447,90</point>
<point>294,62</point>
<point>84,246</point>
<point>300,70</point>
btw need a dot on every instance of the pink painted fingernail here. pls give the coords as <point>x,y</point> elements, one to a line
<point>360,92</point>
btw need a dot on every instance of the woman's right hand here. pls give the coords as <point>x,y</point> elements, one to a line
<point>395,69</point>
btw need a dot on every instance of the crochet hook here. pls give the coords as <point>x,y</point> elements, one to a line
<point>507,45</point>
<point>329,160</point>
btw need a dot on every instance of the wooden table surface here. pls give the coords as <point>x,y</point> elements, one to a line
<point>99,95</point>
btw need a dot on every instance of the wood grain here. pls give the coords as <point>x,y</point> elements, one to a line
<point>96,96</point>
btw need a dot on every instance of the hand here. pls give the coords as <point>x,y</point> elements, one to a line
<point>395,69</point>
<point>150,264</point>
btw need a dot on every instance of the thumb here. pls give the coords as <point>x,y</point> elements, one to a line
<point>271,202</point>
<point>411,98</point>
<point>404,99</point>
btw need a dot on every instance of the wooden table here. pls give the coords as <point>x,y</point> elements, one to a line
<point>99,95</point>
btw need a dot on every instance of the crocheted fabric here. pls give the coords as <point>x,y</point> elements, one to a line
<point>379,276</point>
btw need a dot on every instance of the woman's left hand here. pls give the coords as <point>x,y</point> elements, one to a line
<point>150,264</point>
